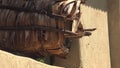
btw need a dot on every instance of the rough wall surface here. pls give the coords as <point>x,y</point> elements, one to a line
<point>114,31</point>
<point>8,60</point>
<point>93,51</point>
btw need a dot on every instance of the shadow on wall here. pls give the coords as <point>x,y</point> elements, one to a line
<point>97,4</point>
<point>73,59</point>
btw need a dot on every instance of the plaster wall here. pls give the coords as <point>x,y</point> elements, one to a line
<point>92,51</point>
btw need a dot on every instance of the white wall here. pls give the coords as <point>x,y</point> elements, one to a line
<point>93,51</point>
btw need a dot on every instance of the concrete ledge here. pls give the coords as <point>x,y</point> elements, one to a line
<point>8,60</point>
